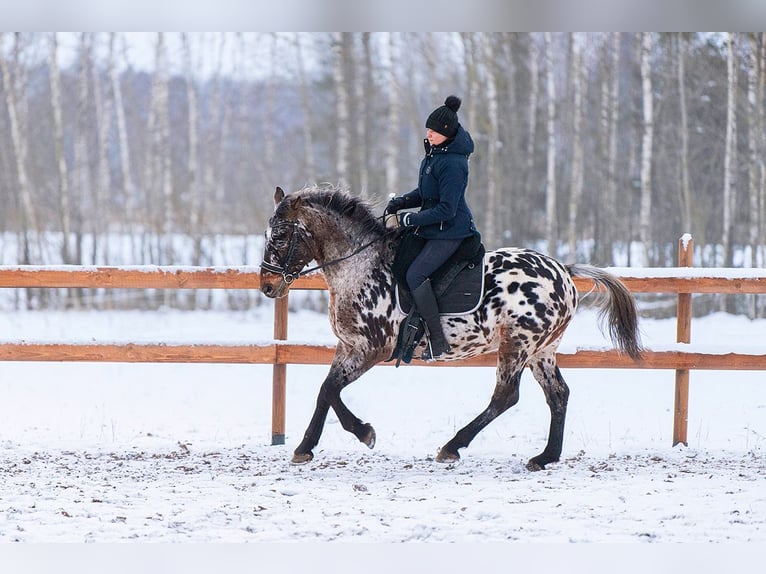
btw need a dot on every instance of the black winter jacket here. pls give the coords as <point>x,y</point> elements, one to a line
<point>444,213</point>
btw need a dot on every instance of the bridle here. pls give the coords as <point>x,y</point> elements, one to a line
<point>298,234</point>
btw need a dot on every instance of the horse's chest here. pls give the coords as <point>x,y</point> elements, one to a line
<point>364,315</point>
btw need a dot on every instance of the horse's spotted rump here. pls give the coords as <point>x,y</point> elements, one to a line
<point>529,300</point>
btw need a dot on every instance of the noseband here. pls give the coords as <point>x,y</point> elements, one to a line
<point>284,264</point>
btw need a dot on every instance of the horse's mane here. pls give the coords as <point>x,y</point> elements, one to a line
<point>340,201</point>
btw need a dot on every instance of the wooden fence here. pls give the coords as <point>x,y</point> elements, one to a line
<point>279,353</point>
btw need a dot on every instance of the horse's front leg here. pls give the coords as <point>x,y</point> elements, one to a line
<point>347,366</point>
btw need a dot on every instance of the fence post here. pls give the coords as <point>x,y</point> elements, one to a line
<point>279,376</point>
<point>683,335</point>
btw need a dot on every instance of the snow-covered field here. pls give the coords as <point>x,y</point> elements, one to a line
<point>172,453</point>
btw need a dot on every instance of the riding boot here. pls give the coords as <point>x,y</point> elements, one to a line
<point>425,300</point>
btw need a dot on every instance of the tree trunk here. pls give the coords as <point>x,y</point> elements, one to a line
<point>576,183</point>
<point>532,182</point>
<point>310,170</point>
<point>686,192</point>
<point>343,136</point>
<point>606,215</point>
<point>730,158</point>
<point>58,148</point>
<point>645,221</point>
<point>127,188</point>
<point>362,97</point>
<point>192,162</point>
<point>493,144</point>
<point>755,152</point>
<point>394,106</point>
<point>81,172</point>
<point>550,189</point>
<point>32,248</point>
<point>755,165</point>
<point>103,103</point>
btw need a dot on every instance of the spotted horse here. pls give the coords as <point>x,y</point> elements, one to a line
<point>528,302</point>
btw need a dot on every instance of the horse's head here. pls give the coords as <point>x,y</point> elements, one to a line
<point>286,248</point>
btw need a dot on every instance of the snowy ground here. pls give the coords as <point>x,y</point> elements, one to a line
<point>113,452</point>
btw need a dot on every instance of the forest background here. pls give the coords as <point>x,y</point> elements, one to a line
<point>119,148</point>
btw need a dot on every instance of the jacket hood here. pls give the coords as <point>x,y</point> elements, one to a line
<point>461,144</point>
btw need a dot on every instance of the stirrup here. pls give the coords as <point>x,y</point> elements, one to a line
<point>428,354</point>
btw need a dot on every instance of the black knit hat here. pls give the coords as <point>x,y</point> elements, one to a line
<point>444,118</point>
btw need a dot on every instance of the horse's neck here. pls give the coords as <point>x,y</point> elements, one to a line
<point>333,242</point>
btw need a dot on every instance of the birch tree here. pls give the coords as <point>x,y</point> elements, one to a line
<point>394,105</point>
<point>157,182</point>
<point>493,142</point>
<point>127,186</point>
<point>343,136</point>
<point>645,221</point>
<point>82,188</point>
<point>686,193</point>
<point>58,149</point>
<point>32,250</point>
<point>550,188</point>
<point>576,182</point>
<point>534,96</point>
<point>755,153</point>
<point>730,158</point>
<point>606,214</point>
<point>193,171</point>
<point>754,144</point>
<point>310,170</point>
<point>103,103</point>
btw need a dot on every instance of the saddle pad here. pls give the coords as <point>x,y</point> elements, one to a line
<point>463,295</point>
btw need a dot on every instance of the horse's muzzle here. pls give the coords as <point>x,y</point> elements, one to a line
<point>274,289</point>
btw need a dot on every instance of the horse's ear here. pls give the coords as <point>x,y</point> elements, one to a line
<point>279,195</point>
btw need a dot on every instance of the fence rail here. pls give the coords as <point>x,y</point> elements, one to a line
<point>279,353</point>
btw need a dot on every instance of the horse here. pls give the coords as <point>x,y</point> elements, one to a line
<point>528,301</point>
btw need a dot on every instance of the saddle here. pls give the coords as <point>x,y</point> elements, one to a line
<point>458,285</point>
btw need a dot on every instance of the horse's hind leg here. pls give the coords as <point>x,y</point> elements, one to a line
<point>556,392</point>
<point>505,395</point>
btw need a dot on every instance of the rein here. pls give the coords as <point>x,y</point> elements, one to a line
<point>281,269</point>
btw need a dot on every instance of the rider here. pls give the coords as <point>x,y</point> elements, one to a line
<point>444,218</point>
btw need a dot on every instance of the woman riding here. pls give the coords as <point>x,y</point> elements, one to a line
<point>444,219</point>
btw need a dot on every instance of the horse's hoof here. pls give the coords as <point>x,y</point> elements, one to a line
<point>368,437</point>
<point>302,457</point>
<point>538,463</point>
<point>447,457</point>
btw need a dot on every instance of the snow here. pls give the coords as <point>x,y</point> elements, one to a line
<point>181,453</point>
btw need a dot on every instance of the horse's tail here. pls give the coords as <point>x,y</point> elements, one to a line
<point>618,307</point>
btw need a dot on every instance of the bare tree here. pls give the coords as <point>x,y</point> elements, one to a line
<point>32,249</point>
<point>58,147</point>
<point>82,188</point>
<point>686,193</point>
<point>550,189</point>
<point>193,171</point>
<point>576,183</point>
<point>127,187</point>
<point>343,137</point>
<point>103,101</point>
<point>534,95</point>
<point>157,177</point>
<point>645,218</point>
<point>730,159</point>
<point>493,142</point>
<point>310,170</point>
<point>394,105</point>
<point>606,212</point>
